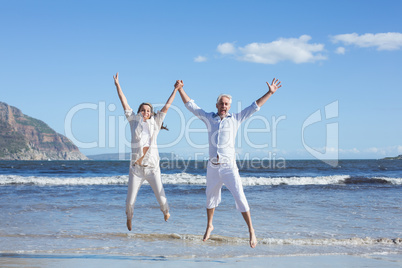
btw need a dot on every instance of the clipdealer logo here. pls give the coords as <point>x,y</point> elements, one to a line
<point>330,154</point>
<point>111,131</point>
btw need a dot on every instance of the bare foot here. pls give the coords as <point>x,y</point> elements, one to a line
<point>208,231</point>
<point>253,239</point>
<point>129,226</point>
<point>167,216</point>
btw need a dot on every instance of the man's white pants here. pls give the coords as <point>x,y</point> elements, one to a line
<point>152,175</point>
<point>227,174</point>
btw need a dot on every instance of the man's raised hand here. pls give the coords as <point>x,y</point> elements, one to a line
<point>274,85</point>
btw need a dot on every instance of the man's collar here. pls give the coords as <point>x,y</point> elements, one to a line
<point>217,115</point>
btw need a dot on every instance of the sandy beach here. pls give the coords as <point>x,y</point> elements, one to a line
<point>307,215</point>
<point>16,260</point>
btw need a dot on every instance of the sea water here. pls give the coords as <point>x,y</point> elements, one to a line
<point>301,207</point>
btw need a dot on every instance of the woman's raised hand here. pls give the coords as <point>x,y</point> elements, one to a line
<point>116,79</point>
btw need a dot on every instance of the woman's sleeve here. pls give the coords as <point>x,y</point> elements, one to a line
<point>129,114</point>
<point>159,117</point>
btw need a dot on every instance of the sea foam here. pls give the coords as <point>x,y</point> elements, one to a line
<point>191,179</point>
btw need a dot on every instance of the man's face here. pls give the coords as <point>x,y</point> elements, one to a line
<point>223,106</point>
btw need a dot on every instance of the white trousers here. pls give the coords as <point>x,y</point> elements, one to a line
<point>152,175</point>
<point>227,174</point>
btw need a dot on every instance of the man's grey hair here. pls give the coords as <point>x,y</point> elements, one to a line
<point>224,95</point>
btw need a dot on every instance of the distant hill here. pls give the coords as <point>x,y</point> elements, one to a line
<point>126,156</point>
<point>25,138</point>
<point>399,157</point>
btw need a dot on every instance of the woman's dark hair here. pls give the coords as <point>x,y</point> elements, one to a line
<point>152,112</point>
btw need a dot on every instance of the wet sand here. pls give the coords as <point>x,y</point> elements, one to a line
<point>26,260</point>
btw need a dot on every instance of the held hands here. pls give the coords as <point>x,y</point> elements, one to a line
<point>179,84</point>
<point>274,85</point>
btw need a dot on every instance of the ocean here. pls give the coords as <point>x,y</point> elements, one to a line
<point>298,208</point>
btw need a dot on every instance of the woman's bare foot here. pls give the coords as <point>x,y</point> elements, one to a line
<point>129,225</point>
<point>208,231</point>
<point>253,239</point>
<point>167,216</point>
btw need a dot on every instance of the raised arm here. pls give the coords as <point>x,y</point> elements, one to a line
<point>172,96</point>
<point>120,93</point>
<point>272,89</point>
<point>184,97</point>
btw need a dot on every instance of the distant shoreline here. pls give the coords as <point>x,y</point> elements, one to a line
<point>173,156</point>
<point>399,157</point>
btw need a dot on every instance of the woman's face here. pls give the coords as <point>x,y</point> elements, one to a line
<point>145,111</point>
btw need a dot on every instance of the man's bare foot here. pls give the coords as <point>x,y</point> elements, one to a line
<point>208,231</point>
<point>253,239</point>
<point>167,216</point>
<point>129,226</point>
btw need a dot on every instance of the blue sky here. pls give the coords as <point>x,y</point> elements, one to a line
<point>57,59</point>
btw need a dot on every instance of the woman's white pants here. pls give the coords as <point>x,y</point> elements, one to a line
<point>152,175</point>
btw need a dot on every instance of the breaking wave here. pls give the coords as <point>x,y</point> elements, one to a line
<point>194,179</point>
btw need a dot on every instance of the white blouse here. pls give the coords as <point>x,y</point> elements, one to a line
<point>145,135</point>
<point>139,129</point>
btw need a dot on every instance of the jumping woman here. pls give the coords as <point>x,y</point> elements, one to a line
<point>144,164</point>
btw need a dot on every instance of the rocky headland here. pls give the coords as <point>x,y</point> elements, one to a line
<point>25,138</point>
<point>399,157</point>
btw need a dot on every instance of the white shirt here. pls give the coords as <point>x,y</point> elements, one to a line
<point>154,124</point>
<point>145,135</point>
<point>222,132</point>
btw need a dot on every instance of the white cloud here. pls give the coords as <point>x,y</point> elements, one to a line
<point>340,50</point>
<point>226,48</point>
<point>374,150</point>
<point>200,59</point>
<point>382,41</point>
<point>386,151</point>
<point>349,151</point>
<point>327,149</point>
<point>371,151</point>
<point>297,50</point>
